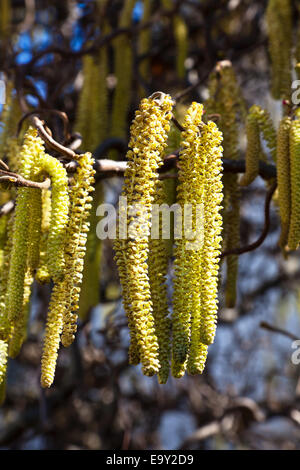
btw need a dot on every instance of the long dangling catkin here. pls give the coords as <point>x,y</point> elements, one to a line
<point>149,132</point>
<point>279,26</point>
<point>89,296</point>
<point>19,332</point>
<point>266,127</point>
<point>62,314</point>
<point>212,232</point>
<point>93,101</point>
<point>252,151</point>
<point>34,228</point>
<point>187,262</point>
<point>196,263</point>
<point>52,336</point>
<point>59,215</point>
<point>78,228</point>
<point>158,268</point>
<point>283,178</point>
<point>294,230</point>
<point>5,328</point>
<point>225,100</point>
<point>30,153</point>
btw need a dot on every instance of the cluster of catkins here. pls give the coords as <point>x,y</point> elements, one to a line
<point>44,239</point>
<point>142,259</point>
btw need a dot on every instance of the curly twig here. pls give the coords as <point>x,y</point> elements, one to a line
<point>261,238</point>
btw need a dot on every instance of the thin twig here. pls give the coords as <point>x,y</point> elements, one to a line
<point>261,238</point>
<point>275,329</point>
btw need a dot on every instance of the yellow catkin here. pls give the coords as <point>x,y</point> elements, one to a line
<point>294,230</point>
<point>212,232</point>
<point>59,215</point>
<point>34,228</point>
<point>52,336</point>
<point>19,332</point>
<point>252,152</point>
<point>93,101</point>
<point>120,247</point>
<point>90,297</point>
<point>5,328</point>
<point>266,127</point>
<point>42,274</point>
<point>149,132</point>
<point>123,62</point>
<point>196,262</point>
<point>30,152</point>
<point>225,100</point>
<point>76,242</point>
<point>190,190</point>
<point>158,268</point>
<point>279,26</point>
<point>62,314</point>
<point>283,178</point>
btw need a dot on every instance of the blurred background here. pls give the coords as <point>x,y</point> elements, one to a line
<point>248,396</point>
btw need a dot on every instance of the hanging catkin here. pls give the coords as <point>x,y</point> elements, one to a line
<point>158,268</point>
<point>42,274</point>
<point>30,153</point>
<point>266,127</point>
<point>62,313</point>
<point>225,100</point>
<point>279,26</point>
<point>252,151</point>
<point>294,230</point>
<point>80,199</point>
<point>149,132</point>
<point>196,263</point>
<point>283,178</point>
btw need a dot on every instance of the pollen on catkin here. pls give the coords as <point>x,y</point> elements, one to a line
<point>283,178</point>
<point>62,313</point>
<point>29,154</point>
<point>158,268</point>
<point>42,274</point>
<point>226,100</point>
<point>59,215</point>
<point>197,261</point>
<point>294,229</point>
<point>75,246</point>
<point>148,139</point>
<point>52,336</point>
<point>252,151</point>
<point>266,127</point>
